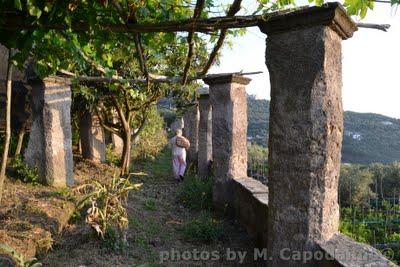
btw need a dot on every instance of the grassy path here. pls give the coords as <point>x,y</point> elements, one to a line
<point>161,229</point>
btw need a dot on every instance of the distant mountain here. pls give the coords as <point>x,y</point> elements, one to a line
<point>367,137</point>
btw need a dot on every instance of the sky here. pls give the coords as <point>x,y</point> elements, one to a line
<point>371,63</point>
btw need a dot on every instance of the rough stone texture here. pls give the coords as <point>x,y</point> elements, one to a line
<point>117,142</point>
<point>50,142</point>
<point>205,136</point>
<point>343,251</point>
<point>306,127</point>
<point>229,135</point>
<point>191,131</point>
<point>330,14</point>
<point>92,138</point>
<point>251,208</point>
<point>18,75</point>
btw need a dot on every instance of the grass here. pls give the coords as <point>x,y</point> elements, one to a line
<point>196,193</point>
<point>150,205</point>
<point>161,166</point>
<point>205,228</point>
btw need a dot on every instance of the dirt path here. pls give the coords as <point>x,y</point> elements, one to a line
<point>157,220</point>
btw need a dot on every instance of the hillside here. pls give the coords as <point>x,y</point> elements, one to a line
<point>367,138</point>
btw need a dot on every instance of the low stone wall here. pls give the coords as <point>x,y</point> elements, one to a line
<point>251,208</point>
<point>343,251</point>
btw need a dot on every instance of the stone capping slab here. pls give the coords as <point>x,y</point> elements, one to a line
<point>226,78</point>
<point>253,186</point>
<point>349,253</point>
<point>329,14</point>
<point>251,208</point>
<point>57,79</point>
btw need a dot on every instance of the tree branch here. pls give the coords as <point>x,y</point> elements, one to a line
<point>381,27</point>
<point>234,8</point>
<point>197,12</point>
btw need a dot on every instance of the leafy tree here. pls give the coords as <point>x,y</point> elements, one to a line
<point>355,186</point>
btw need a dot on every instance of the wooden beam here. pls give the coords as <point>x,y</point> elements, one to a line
<point>196,14</point>
<point>12,23</point>
<point>160,79</point>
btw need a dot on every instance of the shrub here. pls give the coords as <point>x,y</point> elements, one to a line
<point>196,193</point>
<point>107,213</point>
<point>152,139</point>
<point>23,172</point>
<point>18,258</point>
<point>204,228</point>
<point>111,157</point>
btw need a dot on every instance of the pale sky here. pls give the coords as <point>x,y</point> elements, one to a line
<point>371,63</point>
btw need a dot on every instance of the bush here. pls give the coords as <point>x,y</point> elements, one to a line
<point>111,157</point>
<point>152,139</point>
<point>23,172</point>
<point>107,214</point>
<point>19,259</point>
<point>204,228</point>
<point>196,193</point>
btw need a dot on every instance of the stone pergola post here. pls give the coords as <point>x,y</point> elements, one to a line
<point>92,137</point>
<point>191,132</point>
<point>304,60</point>
<point>229,135</point>
<point>117,142</point>
<point>50,141</point>
<point>205,135</point>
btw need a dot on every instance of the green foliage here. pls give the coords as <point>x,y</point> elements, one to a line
<point>204,228</point>
<point>23,172</point>
<point>107,213</point>
<point>355,185</point>
<point>111,157</point>
<point>378,227</point>
<point>379,135</point>
<point>379,138</point>
<point>18,258</point>
<point>196,193</point>
<point>150,205</point>
<point>258,120</point>
<point>152,139</point>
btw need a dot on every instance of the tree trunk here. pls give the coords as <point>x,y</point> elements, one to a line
<point>20,141</point>
<point>126,153</point>
<point>8,125</point>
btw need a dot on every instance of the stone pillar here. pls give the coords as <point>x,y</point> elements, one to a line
<point>92,137</point>
<point>50,141</point>
<point>191,131</point>
<point>205,136</point>
<point>306,125</point>
<point>229,135</point>
<point>117,142</point>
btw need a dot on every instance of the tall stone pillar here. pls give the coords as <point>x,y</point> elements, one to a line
<point>117,142</point>
<point>92,137</point>
<point>229,134</point>
<point>191,131</point>
<point>304,60</point>
<point>50,141</point>
<point>205,135</point>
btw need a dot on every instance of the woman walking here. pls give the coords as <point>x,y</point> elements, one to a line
<point>179,145</point>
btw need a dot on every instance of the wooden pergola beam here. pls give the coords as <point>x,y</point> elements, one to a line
<point>15,22</point>
<point>161,79</point>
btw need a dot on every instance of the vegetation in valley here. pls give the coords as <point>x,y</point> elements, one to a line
<point>367,137</point>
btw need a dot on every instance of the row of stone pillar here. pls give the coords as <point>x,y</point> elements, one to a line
<point>50,141</point>
<point>306,125</point>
